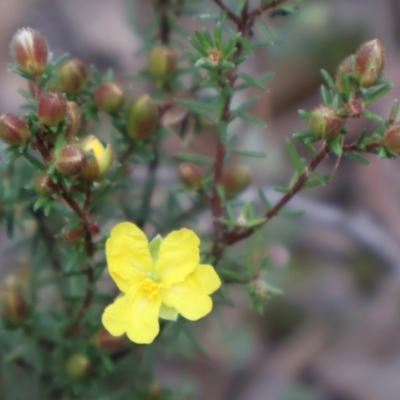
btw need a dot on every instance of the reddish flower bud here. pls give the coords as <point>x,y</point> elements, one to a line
<point>110,344</point>
<point>78,366</point>
<point>98,158</point>
<point>15,308</point>
<point>189,176</point>
<point>29,50</point>
<point>344,66</point>
<point>162,63</point>
<point>391,138</point>
<point>235,179</point>
<point>73,116</point>
<point>69,159</point>
<point>94,228</point>
<point>52,108</point>
<point>369,63</point>
<point>72,76</point>
<point>44,185</point>
<point>325,123</point>
<point>14,130</point>
<point>142,118</point>
<point>74,235</point>
<point>109,97</point>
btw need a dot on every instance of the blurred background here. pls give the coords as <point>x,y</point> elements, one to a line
<point>335,332</point>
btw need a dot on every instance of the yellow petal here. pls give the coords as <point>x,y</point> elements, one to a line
<point>144,326</point>
<point>127,254</point>
<point>178,257</point>
<point>116,316</point>
<point>189,302</point>
<point>205,278</point>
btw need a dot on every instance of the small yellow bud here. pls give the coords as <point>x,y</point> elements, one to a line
<point>325,123</point>
<point>109,97</point>
<point>29,50</point>
<point>162,63</point>
<point>52,108</point>
<point>78,367</point>
<point>72,76</point>
<point>189,176</point>
<point>391,138</point>
<point>142,118</point>
<point>44,185</point>
<point>69,159</point>
<point>369,63</point>
<point>14,130</point>
<point>235,179</point>
<point>15,308</point>
<point>98,158</point>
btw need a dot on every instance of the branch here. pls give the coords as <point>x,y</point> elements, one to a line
<point>265,7</point>
<point>237,234</point>
<point>230,14</point>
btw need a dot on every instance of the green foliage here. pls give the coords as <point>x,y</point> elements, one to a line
<point>62,231</point>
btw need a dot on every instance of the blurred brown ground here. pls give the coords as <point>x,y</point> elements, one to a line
<point>335,334</point>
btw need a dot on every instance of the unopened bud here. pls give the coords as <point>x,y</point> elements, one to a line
<point>15,308</point>
<point>72,76</point>
<point>78,366</point>
<point>142,118</point>
<point>17,281</point>
<point>44,185</point>
<point>73,236</point>
<point>325,123</point>
<point>110,344</point>
<point>235,179</point>
<point>52,108</point>
<point>369,63</point>
<point>391,138</point>
<point>162,63</point>
<point>29,50</point>
<point>69,159</point>
<point>109,97</point>
<point>189,176</point>
<point>98,158</point>
<point>73,116</point>
<point>14,130</point>
<point>344,67</point>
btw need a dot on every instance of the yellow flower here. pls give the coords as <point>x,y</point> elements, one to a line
<point>157,279</point>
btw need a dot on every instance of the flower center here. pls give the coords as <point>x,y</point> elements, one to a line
<point>149,287</point>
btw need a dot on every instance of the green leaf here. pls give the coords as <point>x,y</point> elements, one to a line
<point>298,162</point>
<point>34,161</point>
<point>255,222</point>
<point>357,157</point>
<point>154,247</point>
<point>248,103</point>
<point>394,111</point>
<point>252,81</point>
<point>281,189</point>
<point>251,118</point>
<point>336,146</point>
<point>263,198</point>
<point>247,153</point>
<point>218,34</point>
<point>306,115</point>
<point>325,95</point>
<point>370,115</point>
<point>196,105</point>
<point>265,30</point>
<point>374,95</point>
<point>195,158</point>
<point>328,79</point>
